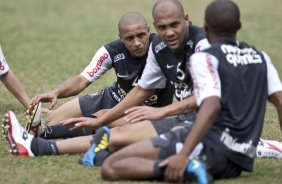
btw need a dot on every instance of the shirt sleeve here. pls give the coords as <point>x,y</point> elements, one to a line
<point>100,64</point>
<point>273,80</point>
<point>152,77</point>
<point>206,81</point>
<point>202,44</point>
<point>4,67</point>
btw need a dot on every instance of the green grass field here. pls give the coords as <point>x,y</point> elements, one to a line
<point>45,42</point>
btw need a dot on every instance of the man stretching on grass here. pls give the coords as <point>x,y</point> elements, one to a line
<point>232,83</point>
<point>127,56</point>
<point>177,40</point>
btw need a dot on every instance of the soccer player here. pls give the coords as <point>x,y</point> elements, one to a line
<point>9,79</point>
<point>177,40</point>
<point>232,83</point>
<point>127,56</point>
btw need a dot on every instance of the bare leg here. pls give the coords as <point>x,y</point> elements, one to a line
<point>70,109</point>
<point>117,123</point>
<point>135,161</point>
<point>74,145</point>
<point>130,133</point>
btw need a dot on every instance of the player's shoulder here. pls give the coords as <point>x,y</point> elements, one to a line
<point>116,50</point>
<point>157,44</point>
<point>116,44</point>
<point>153,37</point>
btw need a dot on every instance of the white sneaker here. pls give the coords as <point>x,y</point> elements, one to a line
<point>269,149</point>
<point>17,137</point>
<point>36,124</point>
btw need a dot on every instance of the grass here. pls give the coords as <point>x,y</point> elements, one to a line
<point>45,42</point>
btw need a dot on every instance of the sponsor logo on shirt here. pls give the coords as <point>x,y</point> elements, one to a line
<point>1,66</point>
<point>159,47</point>
<point>151,101</point>
<point>190,43</point>
<point>237,56</point>
<point>121,76</point>
<point>169,66</point>
<point>120,95</point>
<point>119,57</point>
<point>230,142</point>
<point>98,65</point>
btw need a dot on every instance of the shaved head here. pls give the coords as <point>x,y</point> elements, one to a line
<point>162,5</point>
<point>171,23</point>
<point>129,19</point>
<point>223,17</point>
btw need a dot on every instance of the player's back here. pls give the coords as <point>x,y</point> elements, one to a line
<point>243,76</point>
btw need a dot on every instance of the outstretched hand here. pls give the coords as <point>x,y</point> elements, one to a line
<point>50,97</point>
<point>140,113</point>
<point>175,167</point>
<point>81,122</point>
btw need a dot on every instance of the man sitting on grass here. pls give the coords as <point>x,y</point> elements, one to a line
<point>232,83</point>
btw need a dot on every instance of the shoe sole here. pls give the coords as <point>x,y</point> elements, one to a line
<point>90,153</point>
<point>7,129</point>
<point>29,126</point>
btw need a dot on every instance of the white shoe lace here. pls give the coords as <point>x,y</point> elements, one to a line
<point>46,129</point>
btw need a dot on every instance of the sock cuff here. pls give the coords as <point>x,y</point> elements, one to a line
<point>158,171</point>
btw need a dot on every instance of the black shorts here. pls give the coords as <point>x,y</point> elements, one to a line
<point>218,165</point>
<point>94,102</point>
<point>165,125</point>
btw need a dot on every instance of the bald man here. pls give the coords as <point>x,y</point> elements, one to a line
<point>177,40</point>
<point>227,128</point>
<point>127,56</point>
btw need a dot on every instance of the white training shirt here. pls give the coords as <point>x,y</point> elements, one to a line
<point>4,67</point>
<point>153,77</point>
<point>208,82</point>
<point>99,65</point>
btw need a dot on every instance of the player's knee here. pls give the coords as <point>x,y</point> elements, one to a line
<point>118,138</point>
<point>53,119</point>
<point>107,170</point>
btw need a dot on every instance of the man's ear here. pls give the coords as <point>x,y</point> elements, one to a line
<point>119,35</point>
<point>148,29</point>
<point>240,25</point>
<point>186,17</point>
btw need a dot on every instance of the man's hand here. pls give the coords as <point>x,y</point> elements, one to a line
<point>82,122</point>
<point>140,113</point>
<point>50,97</point>
<point>175,167</point>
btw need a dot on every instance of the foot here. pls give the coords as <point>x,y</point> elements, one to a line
<point>36,124</point>
<point>99,142</point>
<point>16,135</point>
<point>196,170</point>
<point>269,149</point>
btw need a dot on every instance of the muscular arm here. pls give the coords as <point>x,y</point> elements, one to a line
<point>140,113</point>
<point>72,86</point>
<point>10,80</point>
<point>276,99</point>
<point>185,106</point>
<point>205,118</point>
